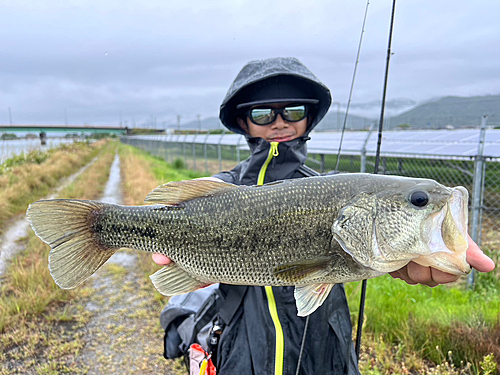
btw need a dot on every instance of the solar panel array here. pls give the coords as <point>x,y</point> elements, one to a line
<point>455,144</point>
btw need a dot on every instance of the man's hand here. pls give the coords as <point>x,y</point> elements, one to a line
<point>414,273</point>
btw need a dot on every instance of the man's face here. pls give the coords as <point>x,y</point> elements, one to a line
<point>278,131</point>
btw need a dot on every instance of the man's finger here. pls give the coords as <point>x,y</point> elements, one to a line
<point>162,260</point>
<point>420,274</point>
<point>477,259</point>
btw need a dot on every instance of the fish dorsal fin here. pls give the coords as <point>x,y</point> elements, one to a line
<point>309,297</point>
<point>304,270</point>
<point>176,192</point>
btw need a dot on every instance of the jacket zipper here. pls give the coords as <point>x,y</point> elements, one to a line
<point>271,301</point>
<point>273,151</point>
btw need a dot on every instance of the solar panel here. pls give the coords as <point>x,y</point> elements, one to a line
<point>459,143</point>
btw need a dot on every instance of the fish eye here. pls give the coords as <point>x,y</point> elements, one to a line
<point>419,198</point>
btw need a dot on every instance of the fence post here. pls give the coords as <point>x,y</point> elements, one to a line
<point>363,149</point>
<point>220,149</point>
<point>205,151</point>
<point>194,150</point>
<point>238,150</point>
<point>477,194</point>
<point>184,150</point>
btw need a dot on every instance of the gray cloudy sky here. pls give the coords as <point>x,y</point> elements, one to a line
<point>104,60</point>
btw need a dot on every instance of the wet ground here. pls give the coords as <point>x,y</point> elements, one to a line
<point>122,333</point>
<point>18,228</point>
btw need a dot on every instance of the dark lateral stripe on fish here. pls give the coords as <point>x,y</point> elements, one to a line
<point>66,225</point>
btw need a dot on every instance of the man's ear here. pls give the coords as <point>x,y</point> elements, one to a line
<point>243,124</point>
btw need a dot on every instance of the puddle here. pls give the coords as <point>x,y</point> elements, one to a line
<point>112,191</point>
<point>113,194</point>
<point>9,241</point>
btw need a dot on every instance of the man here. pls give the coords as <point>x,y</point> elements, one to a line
<point>276,103</point>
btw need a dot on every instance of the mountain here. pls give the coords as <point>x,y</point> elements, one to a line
<point>449,112</point>
<point>440,113</point>
<point>331,122</point>
<point>209,123</point>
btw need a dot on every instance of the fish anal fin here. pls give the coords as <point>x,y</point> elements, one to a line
<point>304,270</point>
<point>172,280</point>
<point>309,297</point>
<point>176,192</point>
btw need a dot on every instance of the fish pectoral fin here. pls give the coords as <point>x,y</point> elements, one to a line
<point>304,270</point>
<point>176,192</point>
<point>172,280</point>
<point>309,297</point>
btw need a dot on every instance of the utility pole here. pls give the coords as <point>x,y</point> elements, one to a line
<point>179,122</point>
<point>10,116</point>
<point>199,122</point>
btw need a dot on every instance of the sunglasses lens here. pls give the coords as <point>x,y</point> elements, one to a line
<point>294,114</point>
<point>265,116</point>
<point>262,116</point>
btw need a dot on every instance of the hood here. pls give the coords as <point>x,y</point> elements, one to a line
<point>261,70</point>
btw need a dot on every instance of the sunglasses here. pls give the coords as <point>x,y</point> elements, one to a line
<point>265,116</point>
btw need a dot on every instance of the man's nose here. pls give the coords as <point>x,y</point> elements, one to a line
<point>279,123</point>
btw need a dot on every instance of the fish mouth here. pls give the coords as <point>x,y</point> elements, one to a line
<point>445,233</point>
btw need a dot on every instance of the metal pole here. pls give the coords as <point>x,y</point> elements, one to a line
<point>477,194</point>
<point>238,157</point>
<point>205,151</point>
<point>184,150</point>
<point>220,149</point>
<point>363,150</point>
<point>194,150</point>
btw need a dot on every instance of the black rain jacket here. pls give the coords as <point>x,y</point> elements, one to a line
<point>248,341</point>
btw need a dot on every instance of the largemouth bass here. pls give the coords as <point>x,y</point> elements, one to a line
<point>310,233</point>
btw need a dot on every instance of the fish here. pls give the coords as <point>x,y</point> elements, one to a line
<point>310,233</point>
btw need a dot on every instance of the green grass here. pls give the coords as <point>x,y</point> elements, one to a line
<point>164,171</point>
<point>447,325</point>
<point>442,323</point>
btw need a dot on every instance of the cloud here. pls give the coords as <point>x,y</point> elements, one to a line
<point>137,60</point>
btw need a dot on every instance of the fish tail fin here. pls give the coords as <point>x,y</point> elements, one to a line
<point>66,226</point>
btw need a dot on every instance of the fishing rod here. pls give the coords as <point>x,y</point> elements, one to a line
<point>376,168</point>
<point>352,86</point>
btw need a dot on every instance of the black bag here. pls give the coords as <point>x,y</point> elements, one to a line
<point>187,319</point>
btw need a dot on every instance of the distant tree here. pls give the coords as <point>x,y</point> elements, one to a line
<point>8,136</point>
<point>404,126</point>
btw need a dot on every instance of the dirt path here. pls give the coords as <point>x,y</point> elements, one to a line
<point>18,227</point>
<point>123,335</point>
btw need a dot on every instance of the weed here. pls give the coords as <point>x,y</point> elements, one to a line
<point>488,365</point>
<point>37,325</point>
<point>26,182</point>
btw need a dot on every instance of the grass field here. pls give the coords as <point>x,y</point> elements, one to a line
<point>408,329</point>
<point>417,329</point>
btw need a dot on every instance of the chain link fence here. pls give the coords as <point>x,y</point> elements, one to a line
<point>212,153</point>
